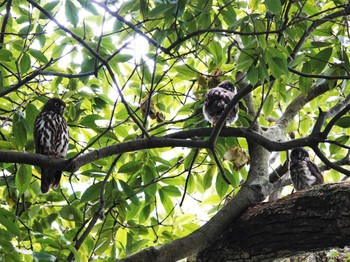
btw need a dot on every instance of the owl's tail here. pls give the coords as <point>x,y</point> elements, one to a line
<point>50,178</point>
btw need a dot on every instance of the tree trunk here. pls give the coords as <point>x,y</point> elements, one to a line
<point>306,221</point>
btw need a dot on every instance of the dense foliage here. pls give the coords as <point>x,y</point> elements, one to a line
<point>129,70</point>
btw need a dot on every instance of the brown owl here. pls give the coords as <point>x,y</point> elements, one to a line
<point>303,172</point>
<point>216,101</point>
<point>51,139</point>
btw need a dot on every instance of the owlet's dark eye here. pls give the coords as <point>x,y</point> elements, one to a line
<point>57,104</point>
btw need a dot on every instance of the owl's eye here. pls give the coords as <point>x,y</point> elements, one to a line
<point>57,104</point>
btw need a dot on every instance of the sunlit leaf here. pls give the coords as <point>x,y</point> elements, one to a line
<point>92,193</point>
<point>208,177</point>
<point>71,12</point>
<point>71,213</point>
<point>166,201</point>
<point>274,6</point>
<point>305,82</point>
<point>37,54</point>
<point>268,105</point>
<point>7,220</point>
<point>19,130</point>
<point>221,185</point>
<point>171,191</point>
<point>320,60</point>
<point>49,8</point>
<point>130,167</point>
<point>23,178</point>
<point>25,63</point>
<point>5,55</point>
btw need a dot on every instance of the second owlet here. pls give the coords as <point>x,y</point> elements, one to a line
<point>303,172</point>
<point>216,100</point>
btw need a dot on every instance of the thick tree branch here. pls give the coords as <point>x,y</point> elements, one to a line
<point>305,221</point>
<point>179,139</point>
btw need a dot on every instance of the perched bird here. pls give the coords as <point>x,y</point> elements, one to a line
<point>303,172</point>
<point>51,139</point>
<point>216,100</point>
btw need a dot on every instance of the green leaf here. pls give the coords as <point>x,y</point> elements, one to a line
<point>122,58</point>
<point>89,121</point>
<point>43,257</point>
<point>305,82</point>
<point>25,63</point>
<point>221,185</point>
<point>19,130</point>
<point>171,191</point>
<point>166,201</point>
<point>72,13</point>
<point>144,214</point>
<point>268,105</point>
<point>5,55</point>
<point>49,8</point>
<point>161,9</point>
<point>148,174</point>
<point>7,220</point>
<point>72,84</point>
<point>77,256</point>
<point>129,192</point>
<point>87,5</point>
<point>144,8</point>
<point>92,193</point>
<point>189,159</point>
<point>130,167</point>
<point>274,6</point>
<point>6,145</point>
<point>208,177</point>
<point>217,51</point>
<point>320,60</point>
<point>23,178</point>
<point>186,71</point>
<point>253,75</point>
<point>334,148</point>
<point>38,55</point>
<point>25,30</point>
<point>229,16</point>
<point>277,62</point>
<point>343,122</point>
<point>71,213</point>
<point>319,44</point>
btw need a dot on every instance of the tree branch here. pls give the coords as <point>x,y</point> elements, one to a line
<point>179,139</point>
<point>4,22</point>
<point>305,221</point>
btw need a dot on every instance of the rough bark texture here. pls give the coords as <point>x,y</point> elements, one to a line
<point>305,221</point>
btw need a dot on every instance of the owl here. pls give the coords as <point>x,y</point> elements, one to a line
<point>51,139</point>
<point>216,100</point>
<point>303,172</point>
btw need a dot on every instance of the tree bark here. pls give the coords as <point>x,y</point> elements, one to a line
<point>303,222</point>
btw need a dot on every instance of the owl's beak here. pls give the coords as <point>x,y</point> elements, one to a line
<point>62,109</point>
